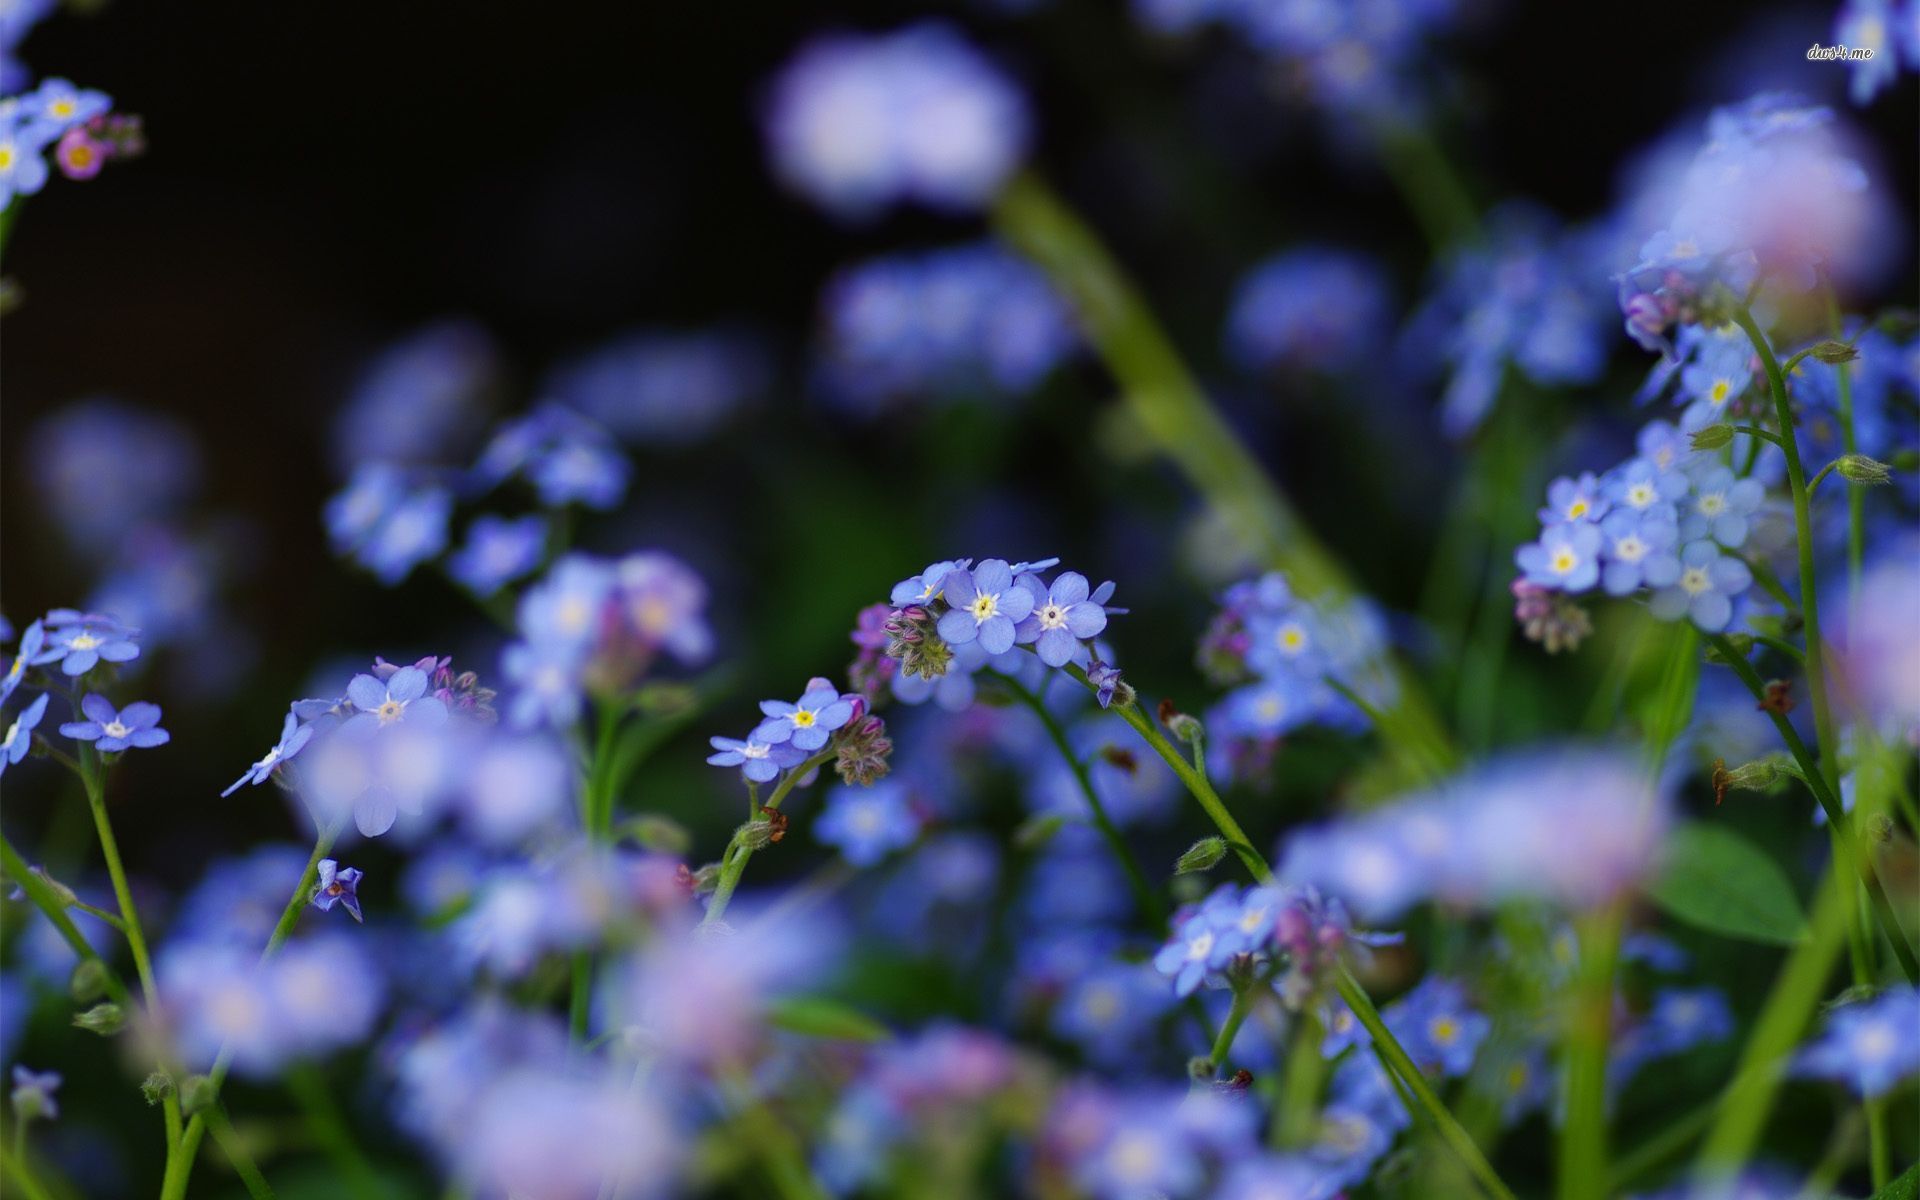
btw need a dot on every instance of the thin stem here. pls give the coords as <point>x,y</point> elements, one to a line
<point>1583,1134</point>
<point>1856,500</point>
<point>1837,816</point>
<point>1677,1135</point>
<point>14,1167</point>
<point>1236,1016</point>
<point>734,863</point>
<point>1425,1103</point>
<point>1300,1089</point>
<point>173,1185</point>
<point>47,901</point>
<point>1143,892</point>
<point>242,1162</point>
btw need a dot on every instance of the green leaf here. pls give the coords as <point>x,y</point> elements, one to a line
<point>817,1016</point>
<point>1721,882</point>
<point>1906,1187</point>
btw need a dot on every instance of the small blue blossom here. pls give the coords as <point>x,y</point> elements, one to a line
<point>1664,445</point>
<point>418,397</point>
<point>758,760</point>
<point>110,730</point>
<point>1570,499</point>
<point>83,642</point>
<point>568,458</point>
<point>33,1094</point>
<point>19,737</point>
<point>1638,551</point>
<point>1439,1028</point>
<point>293,738</point>
<point>1105,678</point>
<point>868,823</point>
<point>31,652</point>
<point>1316,308</point>
<point>498,550</point>
<point>1718,372</point>
<point>1869,1046</point>
<point>1872,25</point>
<point>1720,506</point>
<point>1682,1018</point>
<point>1278,1177</point>
<point>1062,619</point>
<point>338,885</point>
<point>400,699</point>
<point>985,605</point>
<point>414,531</point>
<point>1565,557</point>
<point>924,588</point>
<point>23,163</point>
<point>548,682</point>
<point>1708,584</point>
<point>807,722</point>
<point>1197,947</point>
<point>1642,487</point>
<point>57,106</point>
<point>662,388</point>
<point>1111,1011</point>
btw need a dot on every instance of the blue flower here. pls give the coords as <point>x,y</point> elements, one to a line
<point>868,823</point>
<point>23,164</point>
<point>1105,678</point>
<point>986,605</point>
<point>1570,499</point>
<point>1643,487</point>
<point>1061,620</point>
<point>1665,446</point>
<point>1316,307</point>
<point>1719,371</point>
<point>33,1094</point>
<point>1869,1046</point>
<point>858,123</point>
<point>19,737</point>
<point>1682,1018</point>
<point>110,730</point>
<point>548,681</point>
<point>1565,557</point>
<point>567,607</point>
<point>924,588</point>
<point>1197,947</point>
<point>1709,581</point>
<point>293,738</point>
<point>1638,550</point>
<point>57,106</point>
<point>338,885</point>
<point>758,760</point>
<point>665,388</point>
<point>401,699</point>
<point>1870,25</point>
<point>413,531</point>
<point>1111,1011</point>
<point>807,722</point>
<point>1438,1026</point>
<point>497,552</point>
<point>567,457</point>
<point>1278,1177</point>
<point>419,397</point>
<point>1720,506</point>
<point>81,642</point>
<point>31,652</point>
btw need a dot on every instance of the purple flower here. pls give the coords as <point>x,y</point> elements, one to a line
<point>806,723</point>
<point>758,760</point>
<point>19,737</point>
<point>1565,557</point>
<point>401,699</point>
<point>985,605</point>
<point>293,738</point>
<point>87,640</point>
<point>338,885</point>
<point>33,1093</point>
<point>1105,678</point>
<point>137,725</point>
<point>497,552</point>
<point>1706,587</point>
<point>1062,619</point>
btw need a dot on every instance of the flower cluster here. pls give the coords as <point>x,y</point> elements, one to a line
<point>1667,522</point>
<point>596,625</point>
<point>860,123</point>
<point>76,122</point>
<point>72,653</point>
<point>1773,196</point>
<point>964,322</point>
<point>1575,827</point>
<point>1287,661</point>
<point>1291,937</point>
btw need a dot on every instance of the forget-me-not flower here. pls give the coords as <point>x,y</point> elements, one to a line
<point>809,721</point>
<point>19,737</point>
<point>1708,583</point>
<point>402,698</point>
<point>1638,550</point>
<point>337,885</point>
<point>985,605</point>
<point>1062,619</point>
<point>110,730</point>
<point>293,738</point>
<point>1565,557</point>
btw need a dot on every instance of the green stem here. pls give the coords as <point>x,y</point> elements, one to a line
<point>14,1167</point>
<point>1143,892</point>
<point>1856,499</point>
<point>47,901</point>
<point>173,1185</point>
<point>1169,404</point>
<point>779,1151</point>
<point>1427,182</point>
<point>326,1122</point>
<point>242,1162</point>
<point>734,863</point>
<point>1300,1090</point>
<point>1426,1103</point>
<point>1236,1017</point>
<point>1837,816</point>
<point>1583,1134</point>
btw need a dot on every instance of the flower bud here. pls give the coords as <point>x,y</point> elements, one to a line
<point>1713,437</point>
<point>1187,728</point>
<point>88,981</point>
<point>706,879</point>
<point>1203,855</point>
<point>1835,352</point>
<point>157,1086</point>
<point>1200,1068</point>
<point>1858,468</point>
<point>104,1019</point>
<point>757,834</point>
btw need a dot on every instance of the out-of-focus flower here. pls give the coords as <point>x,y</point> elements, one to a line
<point>84,641</point>
<point>868,823</point>
<point>418,399</point>
<point>859,123</point>
<point>1878,653</point>
<point>19,737</point>
<point>1869,1045</point>
<point>293,738</point>
<point>1872,25</point>
<point>1566,557</point>
<point>99,463</point>
<point>662,388</point>
<point>1709,583</point>
<point>319,994</point>
<point>33,1094</point>
<point>1315,308</point>
<point>966,322</point>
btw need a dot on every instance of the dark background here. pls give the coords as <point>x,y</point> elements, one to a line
<point>322,181</point>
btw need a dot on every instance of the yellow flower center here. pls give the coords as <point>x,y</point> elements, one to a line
<point>390,711</point>
<point>1712,504</point>
<point>1718,393</point>
<point>984,605</point>
<point>1694,581</point>
<point>1564,561</point>
<point>83,641</point>
<point>1292,638</point>
<point>1444,1030</point>
<point>1577,509</point>
<point>802,719</point>
<point>116,728</point>
<point>1640,495</point>
<point>61,108</point>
